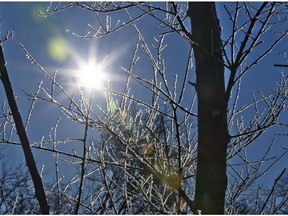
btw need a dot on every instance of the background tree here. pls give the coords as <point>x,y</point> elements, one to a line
<point>16,188</point>
<point>147,154</point>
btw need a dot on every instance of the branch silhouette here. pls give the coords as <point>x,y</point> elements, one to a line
<point>37,181</point>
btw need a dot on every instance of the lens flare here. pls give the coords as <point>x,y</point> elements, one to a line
<point>58,49</point>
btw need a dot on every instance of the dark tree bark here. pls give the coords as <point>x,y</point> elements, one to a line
<point>38,185</point>
<point>213,137</point>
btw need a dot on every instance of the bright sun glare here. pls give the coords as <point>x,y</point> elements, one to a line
<point>89,72</point>
<point>92,76</point>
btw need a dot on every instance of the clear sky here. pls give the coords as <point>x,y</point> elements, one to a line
<point>42,37</point>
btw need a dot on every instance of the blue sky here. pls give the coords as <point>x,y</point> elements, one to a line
<point>38,33</point>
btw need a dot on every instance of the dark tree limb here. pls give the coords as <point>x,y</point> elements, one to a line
<point>37,181</point>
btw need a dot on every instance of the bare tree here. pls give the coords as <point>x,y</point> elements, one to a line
<point>184,139</point>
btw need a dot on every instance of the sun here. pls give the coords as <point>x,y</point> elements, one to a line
<point>91,75</point>
<point>89,72</point>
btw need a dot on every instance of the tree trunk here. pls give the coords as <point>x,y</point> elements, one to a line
<point>213,137</point>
